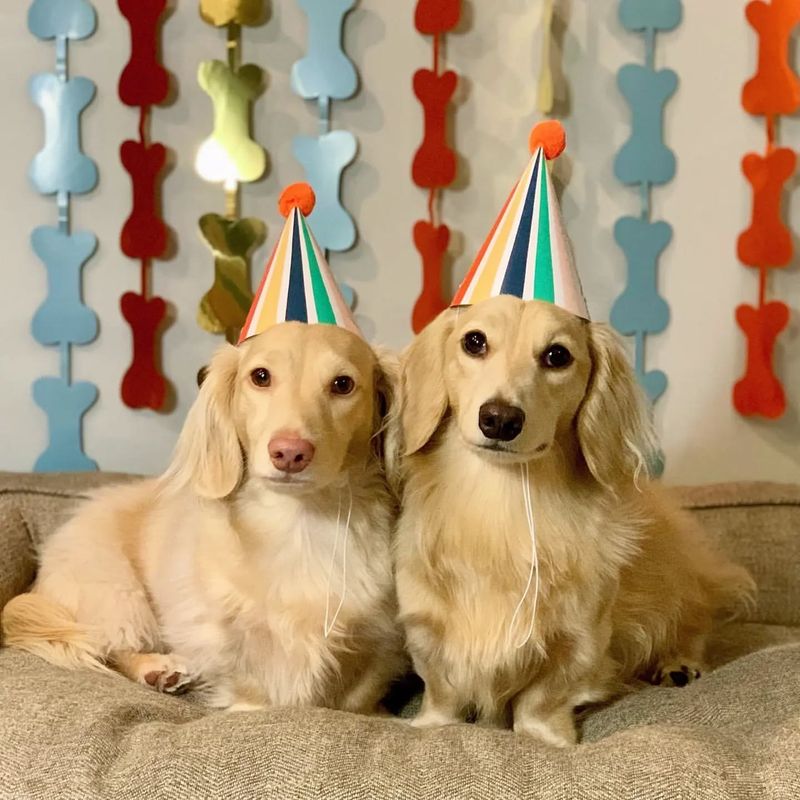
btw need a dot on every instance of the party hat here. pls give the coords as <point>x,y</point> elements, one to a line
<point>298,284</point>
<point>527,253</point>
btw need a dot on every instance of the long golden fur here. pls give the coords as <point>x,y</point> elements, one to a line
<point>628,585</point>
<point>223,570</point>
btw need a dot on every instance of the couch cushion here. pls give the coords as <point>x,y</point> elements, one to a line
<point>758,525</point>
<point>733,734</point>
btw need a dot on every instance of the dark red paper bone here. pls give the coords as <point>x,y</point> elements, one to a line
<point>143,385</point>
<point>775,88</point>
<point>759,391</point>
<point>434,162</point>
<point>144,81</point>
<point>431,243</point>
<point>144,234</point>
<point>767,242</point>
<point>436,16</point>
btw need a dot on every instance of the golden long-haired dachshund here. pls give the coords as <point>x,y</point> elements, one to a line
<point>537,568</point>
<point>260,562</point>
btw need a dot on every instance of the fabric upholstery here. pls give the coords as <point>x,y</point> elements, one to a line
<point>733,734</point>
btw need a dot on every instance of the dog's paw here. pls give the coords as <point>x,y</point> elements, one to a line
<point>432,718</point>
<point>677,674</point>
<point>558,732</point>
<point>165,673</point>
<point>245,705</point>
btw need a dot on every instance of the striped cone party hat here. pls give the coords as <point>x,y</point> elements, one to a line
<point>527,253</point>
<point>298,284</point>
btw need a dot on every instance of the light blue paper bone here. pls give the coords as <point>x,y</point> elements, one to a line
<point>64,404</point>
<point>654,15</point>
<point>67,19</point>
<point>63,317</point>
<point>644,158</point>
<point>325,71</point>
<point>60,166</point>
<point>640,307</point>
<point>323,159</point>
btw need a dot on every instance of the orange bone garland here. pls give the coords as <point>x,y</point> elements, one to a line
<point>759,391</point>
<point>767,243</point>
<point>774,89</point>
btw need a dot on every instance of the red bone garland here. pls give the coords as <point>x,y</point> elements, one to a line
<point>434,165</point>
<point>144,234</point>
<point>144,82</point>
<point>767,243</point>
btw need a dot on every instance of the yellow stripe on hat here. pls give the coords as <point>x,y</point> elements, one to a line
<point>483,287</point>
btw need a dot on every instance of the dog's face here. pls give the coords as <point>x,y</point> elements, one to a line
<point>515,374</point>
<point>518,376</point>
<point>300,403</point>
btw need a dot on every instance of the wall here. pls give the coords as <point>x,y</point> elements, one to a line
<point>497,50</point>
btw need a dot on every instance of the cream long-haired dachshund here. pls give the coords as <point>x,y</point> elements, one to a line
<point>260,563</point>
<point>537,570</point>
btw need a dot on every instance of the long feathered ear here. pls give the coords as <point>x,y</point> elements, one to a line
<point>384,437</point>
<point>424,394</point>
<point>208,456</point>
<point>614,428</point>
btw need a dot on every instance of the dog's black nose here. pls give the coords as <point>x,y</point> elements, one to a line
<point>500,421</point>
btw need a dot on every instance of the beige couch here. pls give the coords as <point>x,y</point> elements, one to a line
<point>733,734</point>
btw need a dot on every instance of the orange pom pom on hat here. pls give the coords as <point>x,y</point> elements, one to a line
<point>298,284</point>
<point>527,253</point>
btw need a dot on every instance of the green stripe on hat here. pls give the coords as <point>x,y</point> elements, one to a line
<point>325,313</point>
<point>543,288</point>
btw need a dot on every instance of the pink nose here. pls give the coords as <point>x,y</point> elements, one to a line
<point>290,454</point>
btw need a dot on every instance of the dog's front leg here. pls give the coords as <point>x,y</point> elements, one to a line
<point>549,718</point>
<point>440,703</point>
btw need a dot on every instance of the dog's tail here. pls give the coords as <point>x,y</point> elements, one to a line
<point>33,623</point>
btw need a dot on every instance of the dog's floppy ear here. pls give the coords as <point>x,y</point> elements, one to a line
<point>385,436</point>
<point>614,428</point>
<point>208,457</point>
<point>424,394</point>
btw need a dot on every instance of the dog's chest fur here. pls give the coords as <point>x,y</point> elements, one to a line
<point>265,589</point>
<point>464,560</point>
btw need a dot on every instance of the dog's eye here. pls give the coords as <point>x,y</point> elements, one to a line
<point>474,343</point>
<point>343,384</point>
<point>260,377</point>
<point>556,357</point>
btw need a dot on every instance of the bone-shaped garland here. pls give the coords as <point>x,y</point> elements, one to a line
<point>434,165</point>
<point>144,83</point>
<point>61,168</point>
<point>230,157</point>
<point>644,161</point>
<point>326,73</point>
<point>767,242</point>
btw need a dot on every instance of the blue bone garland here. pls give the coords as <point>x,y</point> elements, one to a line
<point>63,317</point>
<point>645,160</point>
<point>65,404</point>
<point>326,73</point>
<point>640,307</point>
<point>67,19</point>
<point>323,160</point>
<point>650,15</point>
<point>61,168</point>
